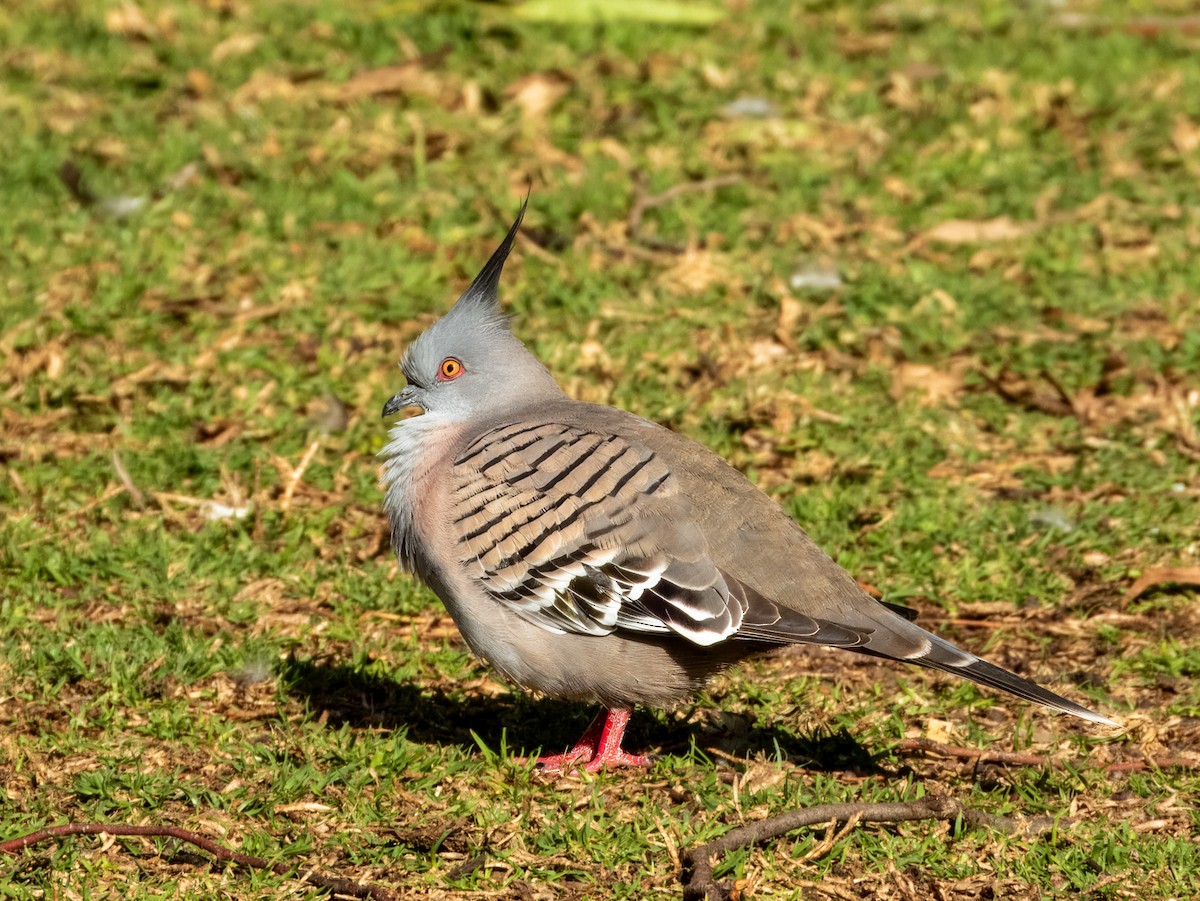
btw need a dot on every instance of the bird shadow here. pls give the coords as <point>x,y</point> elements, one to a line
<point>343,694</point>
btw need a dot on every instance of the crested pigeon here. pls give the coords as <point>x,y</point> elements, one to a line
<point>592,555</point>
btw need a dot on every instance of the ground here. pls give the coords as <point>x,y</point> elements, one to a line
<point>926,271</point>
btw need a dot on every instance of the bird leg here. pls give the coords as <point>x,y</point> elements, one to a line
<point>599,747</point>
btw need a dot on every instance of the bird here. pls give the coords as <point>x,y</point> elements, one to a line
<point>589,554</point>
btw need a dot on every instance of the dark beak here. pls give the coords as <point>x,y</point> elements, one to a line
<point>405,399</point>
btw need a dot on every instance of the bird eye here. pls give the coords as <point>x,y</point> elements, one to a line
<point>450,369</point>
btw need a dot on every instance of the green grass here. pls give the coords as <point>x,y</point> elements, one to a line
<point>274,682</point>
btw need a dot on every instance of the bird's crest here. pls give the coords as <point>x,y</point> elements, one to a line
<point>481,299</point>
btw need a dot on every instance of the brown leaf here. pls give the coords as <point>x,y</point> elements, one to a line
<point>788,323</point>
<point>939,386</point>
<point>537,93</point>
<point>1167,575</point>
<point>1030,393</point>
<point>716,77</point>
<point>129,21</point>
<point>765,352</point>
<point>614,150</point>
<point>1083,325</point>
<point>263,86</point>
<point>856,45</point>
<point>900,189</point>
<point>235,45</point>
<point>696,272</point>
<point>1185,134</point>
<point>900,93</point>
<point>971,231</point>
<point>199,82</point>
<point>410,78</point>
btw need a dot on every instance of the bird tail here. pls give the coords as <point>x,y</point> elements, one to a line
<point>859,623</point>
<point>984,673</point>
<point>896,637</point>
<point>881,631</point>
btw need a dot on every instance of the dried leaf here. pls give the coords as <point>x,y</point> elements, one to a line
<point>786,326</point>
<point>716,77</point>
<point>235,45</point>
<point>940,731</point>
<point>900,93</point>
<point>129,21</point>
<point>263,86</point>
<point>410,78</point>
<point>970,231</point>
<point>667,12</point>
<point>537,93</point>
<point>1185,134</point>
<point>762,353</point>
<point>696,272</point>
<point>199,82</point>
<point>856,45</point>
<point>1167,575</point>
<point>938,385</point>
<point>300,807</point>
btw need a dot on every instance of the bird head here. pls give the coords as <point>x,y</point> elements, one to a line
<point>469,362</point>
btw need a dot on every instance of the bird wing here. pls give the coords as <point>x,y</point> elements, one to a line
<point>791,590</point>
<point>586,532</point>
<point>595,531</point>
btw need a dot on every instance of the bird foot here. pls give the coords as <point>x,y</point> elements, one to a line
<point>586,758</point>
<point>600,747</point>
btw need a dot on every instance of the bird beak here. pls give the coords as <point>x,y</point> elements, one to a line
<point>405,399</point>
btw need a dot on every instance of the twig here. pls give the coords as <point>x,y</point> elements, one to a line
<point>298,474</point>
<point>697,877</point>
<point>1145,26</point>
<point>109,493</point>
<point>135,493</point>
<point>979,755</point>
<point>467,867</point>
<point>1031,398</point>
<point>119,207</point>
<point>1160,576</point>
<point>1152,763</point>
<point>1017,758</point>
<point>1063,394</point>
<point>337,885</point>
<point>833,835</point>
<point>643,202</point>
<point>825,888</point>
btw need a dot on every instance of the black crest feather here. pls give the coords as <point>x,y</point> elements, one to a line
<point>484,290</point>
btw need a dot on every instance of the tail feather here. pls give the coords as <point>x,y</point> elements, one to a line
<point>984,673</point>
<point>881,630</point>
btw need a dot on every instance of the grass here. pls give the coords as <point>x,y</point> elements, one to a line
<point>993,418</point>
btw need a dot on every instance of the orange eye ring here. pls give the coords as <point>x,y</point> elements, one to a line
<point>450,369</point>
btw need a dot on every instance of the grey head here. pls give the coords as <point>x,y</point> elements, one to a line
<point>469,363</point>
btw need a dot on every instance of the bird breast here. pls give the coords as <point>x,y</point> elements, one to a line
<point>413,456</point>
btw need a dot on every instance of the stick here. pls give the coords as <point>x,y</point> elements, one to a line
<point>697,877</point>
<point>645,202</point>
<point>135,493</point>
<point>1018,758</point>
<point>979,755</point>
<point>298,474</point>
<point>334,884</point>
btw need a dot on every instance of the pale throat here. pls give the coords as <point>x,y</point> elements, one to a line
<point>415,449</point>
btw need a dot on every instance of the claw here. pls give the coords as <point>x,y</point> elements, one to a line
<point>600,747</point>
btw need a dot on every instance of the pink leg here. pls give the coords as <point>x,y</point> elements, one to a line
<point>599,747</point>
